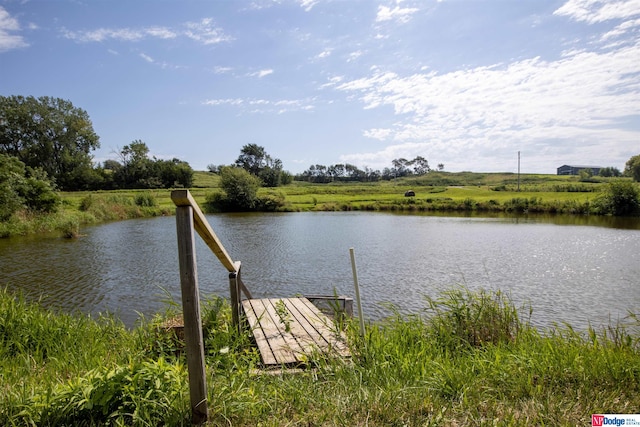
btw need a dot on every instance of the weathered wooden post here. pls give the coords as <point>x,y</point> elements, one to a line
<point>234,291</point>
<point>191,312</point>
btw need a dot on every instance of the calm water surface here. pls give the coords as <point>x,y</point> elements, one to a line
<point>566,271</point>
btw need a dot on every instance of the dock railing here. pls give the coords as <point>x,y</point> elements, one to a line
<point>183,198</point>
<point>189,217</point>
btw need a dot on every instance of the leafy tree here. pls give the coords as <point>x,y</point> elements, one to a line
<point>420,165</point>
<point>353,172</point>
<point>632,168</point>
<point>255,160</point>
<point>22,187</point>
<point>270,177</point>
<point>286,178</point>
<point>174,173</point>
<point>137,170</point>
<point>49,133</point>
<point>11,171</point>
<point>400,167</point>
<point>214,168</point>
<point>240,188</point>
<point>620,197</point>
<point>585,174</point>
<point>609,172</point>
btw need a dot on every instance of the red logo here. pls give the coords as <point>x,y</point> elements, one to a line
<point>597,420</point>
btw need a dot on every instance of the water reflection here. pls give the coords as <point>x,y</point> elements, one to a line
<point>567,271</point>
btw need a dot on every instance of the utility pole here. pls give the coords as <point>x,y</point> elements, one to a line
<point>518,171</point>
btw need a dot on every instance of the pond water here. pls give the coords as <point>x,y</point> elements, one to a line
<point>568,269</point>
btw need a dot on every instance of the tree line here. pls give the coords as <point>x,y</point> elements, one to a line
<point>347,172</point>
<point>54,137</point>
<point>46,145</point>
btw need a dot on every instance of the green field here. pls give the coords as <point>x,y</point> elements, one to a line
<point>433,187</point>
<point>457,187</point>
<point>434,192</point>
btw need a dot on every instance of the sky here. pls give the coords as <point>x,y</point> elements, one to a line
<point>464,83</point>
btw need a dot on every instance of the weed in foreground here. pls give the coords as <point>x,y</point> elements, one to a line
<point>469,360</point>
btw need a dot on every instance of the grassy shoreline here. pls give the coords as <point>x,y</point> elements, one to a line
<point>435,192</point>
<point>469,360</point>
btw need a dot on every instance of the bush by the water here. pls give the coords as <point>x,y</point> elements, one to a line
<point>619,198</point>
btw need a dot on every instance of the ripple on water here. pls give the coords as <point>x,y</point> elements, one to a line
<point>567,273</point>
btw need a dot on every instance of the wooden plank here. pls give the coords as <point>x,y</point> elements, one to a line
<point>284,345</point>
<point>258,333</point>
<point>310,331</point>
<point>184,198</point>
<point>306,344</point>
<point>277,345</point>
<point>313,339</point>
<point>332,339</point>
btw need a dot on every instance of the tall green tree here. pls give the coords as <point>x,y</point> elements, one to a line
<point>174,173</point>
<point>255,160</point>
<point>136,166</point>
<point>49,133</point>
<point>420,165</point>
<point>632,168</point>
<point>137,170</point>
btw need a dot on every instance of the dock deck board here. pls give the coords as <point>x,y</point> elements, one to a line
<point>305,331</point>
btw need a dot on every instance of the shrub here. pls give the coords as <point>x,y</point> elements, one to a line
<point>271,202</point>
<point>24,188</point>
<point>140,393</point>
<point>462,319</point>
<point>240,191</point>
<point>145,200</point>
<point>619,198</point>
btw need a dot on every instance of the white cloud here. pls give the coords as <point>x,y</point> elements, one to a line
<point>8,25</point>
<point>146,58</point>
<point>222,70</point>
<point>262,73</point>
<point>354,55</point>
<point>161,33</point>
<point>397,13</point>
<point>324,54</point>
<point>206,32</point>
<point>203,31</point>
<point>621,30</point>
<point>583,98</point>
<point>102,34</point>
<point>378,133</point>
<point>264,106</point>
<point>307,5</point>
<point>594,11</point>
<point>228,101</point>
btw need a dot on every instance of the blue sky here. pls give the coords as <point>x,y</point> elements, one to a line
<point>465,83</point>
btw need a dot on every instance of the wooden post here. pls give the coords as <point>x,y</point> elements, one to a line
<point>191,311</point>
<point>234,291</point>
<point>357,286</point>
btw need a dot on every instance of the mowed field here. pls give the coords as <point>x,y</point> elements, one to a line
<point>435,187</point>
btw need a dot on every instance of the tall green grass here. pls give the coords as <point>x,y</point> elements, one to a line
<point>469,359</point>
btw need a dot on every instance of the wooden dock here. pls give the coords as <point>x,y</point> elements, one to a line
<point>291,331</point>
